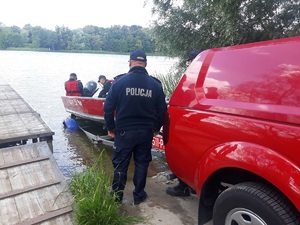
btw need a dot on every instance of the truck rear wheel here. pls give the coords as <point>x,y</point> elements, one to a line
<point>254,204</point>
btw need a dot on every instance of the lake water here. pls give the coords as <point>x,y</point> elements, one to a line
<point>39,78</point>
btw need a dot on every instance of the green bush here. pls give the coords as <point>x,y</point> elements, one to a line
<point>93,202</point>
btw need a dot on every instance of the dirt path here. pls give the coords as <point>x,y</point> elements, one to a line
<point>160,208</point>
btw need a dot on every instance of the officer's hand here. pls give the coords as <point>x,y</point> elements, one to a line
<point>112,134</point>
<point>155,133</point>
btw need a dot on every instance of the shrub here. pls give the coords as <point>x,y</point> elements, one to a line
<point>93,202</point>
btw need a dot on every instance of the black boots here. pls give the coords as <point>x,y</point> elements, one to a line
<point>182,190</point>
<point>137,202</point>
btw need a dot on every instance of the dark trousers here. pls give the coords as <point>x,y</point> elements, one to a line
<point>136,143</point>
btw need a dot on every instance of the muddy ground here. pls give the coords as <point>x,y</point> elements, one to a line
<point>160,208</point>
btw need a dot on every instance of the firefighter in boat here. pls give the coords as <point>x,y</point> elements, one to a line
<point>73,86</point>
<point>106,84</point>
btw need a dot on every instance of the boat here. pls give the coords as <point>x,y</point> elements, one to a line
<point>89,108</point>
<point>89,115</point>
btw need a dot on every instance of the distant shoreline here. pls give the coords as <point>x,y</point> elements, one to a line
<point>74,51</point>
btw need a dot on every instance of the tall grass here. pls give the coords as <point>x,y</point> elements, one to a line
<point>169,81</point>
<point>94,204</point>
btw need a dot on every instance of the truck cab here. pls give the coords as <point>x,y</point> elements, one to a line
<point>232,133</point>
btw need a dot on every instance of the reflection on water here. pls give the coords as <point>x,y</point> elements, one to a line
<point>39,78</point>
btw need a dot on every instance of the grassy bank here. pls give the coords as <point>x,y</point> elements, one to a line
<point>93,202</point>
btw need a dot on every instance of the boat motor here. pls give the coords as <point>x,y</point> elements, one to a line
<point>90,89</point>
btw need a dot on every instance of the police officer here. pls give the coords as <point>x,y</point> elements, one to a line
<point>140,106</point>
<point>192,55</point>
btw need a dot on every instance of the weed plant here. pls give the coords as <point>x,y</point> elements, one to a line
<point>169,81</point>
<point>93,202</point>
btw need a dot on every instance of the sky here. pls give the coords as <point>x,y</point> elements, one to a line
<point>75,13</point>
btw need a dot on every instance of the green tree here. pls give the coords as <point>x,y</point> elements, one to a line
<point>78,40</point>
<point>3,38</point>
<point>27,34</point>
<point>204,24</point>
<point>127,38</point>
<point>15,40</point>
<point>10,37</point>
<point>42,38</point>
<point>64,38</point>
<point>113,39</point>
<point>92,37</point>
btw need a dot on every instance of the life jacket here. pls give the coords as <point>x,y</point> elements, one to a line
<point>72,88</point>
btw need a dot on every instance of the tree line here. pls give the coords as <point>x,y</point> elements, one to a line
<point>89,38</point>
<point>179,27</point>
<point>187,24</point>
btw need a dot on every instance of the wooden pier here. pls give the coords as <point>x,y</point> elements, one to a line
<point>19,123</point>
<point>32,188</point>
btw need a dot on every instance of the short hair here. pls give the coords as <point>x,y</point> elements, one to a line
<point>101,77</point>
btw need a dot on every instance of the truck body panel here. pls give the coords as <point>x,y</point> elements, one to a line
<point>238,108</point>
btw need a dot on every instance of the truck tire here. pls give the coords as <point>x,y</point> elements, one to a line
<point>254,203</point>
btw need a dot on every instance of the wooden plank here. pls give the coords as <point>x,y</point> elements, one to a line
<point>13,106</point>
<point>41,174</point>
<point>33,150</point>
<point>28,189</point>
<point>1,158</point>
<point>32,186</point>
<point>48,199</point>
<point>37,150</point>
<point>16,127</point>
<point>47,216</point>
<point>49,172</point>
<point>5,185</point>
<point>18,121</point>
<point>30,150</point>
<point>16,154</point>
<point>27,206</point>
<point>8,159</point>
<point>56,196</point>
<point>63,196</point>
<point>31,174</point>
<point>57,173</point>
<point>66,219</point>
<point>41,201</point>
<point>22,162</point>
<point>8,212</point>
<point>15,178</point>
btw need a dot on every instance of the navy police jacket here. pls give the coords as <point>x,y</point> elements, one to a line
<point>139,102</point>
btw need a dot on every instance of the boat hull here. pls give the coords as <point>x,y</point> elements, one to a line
<point>91,109</point>
<point>85,107</point>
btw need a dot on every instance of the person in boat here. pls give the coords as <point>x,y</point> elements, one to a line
<point>182,189</point>
<point>73,86</point>
<point>106,84</point>
<point>139,102</point>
